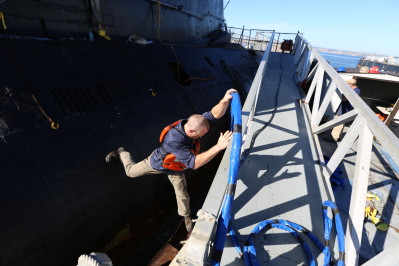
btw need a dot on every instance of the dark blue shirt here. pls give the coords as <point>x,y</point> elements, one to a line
<point>177,142</point>
<point>346,106</point>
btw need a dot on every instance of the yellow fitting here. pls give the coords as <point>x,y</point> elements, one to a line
<point>371,196</point>
<point>103,33</point>
<point>375,220</point>
<point>370,212</point>
<point>366,211</point>
<point>55,125</point>
<point>3,20</point>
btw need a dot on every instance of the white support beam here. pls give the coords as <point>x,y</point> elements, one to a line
<point>299,52</point>
<point>301,58</point>
<point>296,43</point>
<point>303,64</point>
<point>308,65</point>
<point>316,98</point>
<point>358,199</point>
<point>312,73</point>
<point>347,117</point>
<point>313,85</point>
<point>391,116</point>
<point>343,148</point>
<point>323,107</point>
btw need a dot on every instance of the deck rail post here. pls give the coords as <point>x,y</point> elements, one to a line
<point>248,109</point>
<point>359,191</point>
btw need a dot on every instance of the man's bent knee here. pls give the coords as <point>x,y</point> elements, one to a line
<point>140,169</point>
<point>131,171</point>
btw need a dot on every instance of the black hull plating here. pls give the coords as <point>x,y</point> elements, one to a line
<point>173,20</point>
<point>59,199</point>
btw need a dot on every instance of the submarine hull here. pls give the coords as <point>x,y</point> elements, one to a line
<point>59,198</point>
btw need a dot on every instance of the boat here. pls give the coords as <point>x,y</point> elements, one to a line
<point>79,79</point>
<point>384,64</point>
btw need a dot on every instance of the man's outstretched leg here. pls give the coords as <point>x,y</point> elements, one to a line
<point>178,180</point>
<point>183,199</point>
<point>132,169</point>
<point>114,156</point>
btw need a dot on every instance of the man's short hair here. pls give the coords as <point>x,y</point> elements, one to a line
<point>198,122</point>
<point>351,82</point>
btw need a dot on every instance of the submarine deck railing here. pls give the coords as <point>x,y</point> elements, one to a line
<point>257,39</point>
<point>325,83</point>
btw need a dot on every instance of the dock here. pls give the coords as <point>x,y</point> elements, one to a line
<point>285,174</point>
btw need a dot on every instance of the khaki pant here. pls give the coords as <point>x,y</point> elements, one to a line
<point>336,132</point>
<point>178,180</point>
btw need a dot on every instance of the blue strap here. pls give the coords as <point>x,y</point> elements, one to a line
<point>327,230</point>
<point>305,231</point>
<point>249,248</point>
<point>234,238</point>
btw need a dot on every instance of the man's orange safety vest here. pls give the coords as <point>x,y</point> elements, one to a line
<point>170,161</point>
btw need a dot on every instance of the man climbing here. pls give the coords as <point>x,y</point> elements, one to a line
<point>179,151</point>
<point>345,107</point>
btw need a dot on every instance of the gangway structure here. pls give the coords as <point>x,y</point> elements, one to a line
<point>283,173</point>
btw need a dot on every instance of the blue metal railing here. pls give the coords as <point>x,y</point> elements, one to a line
<point>224,218</point>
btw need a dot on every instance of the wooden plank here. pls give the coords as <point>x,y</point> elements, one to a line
<point>336,132</point>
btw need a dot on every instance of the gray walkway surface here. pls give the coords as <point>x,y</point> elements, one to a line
<point>280,178</point>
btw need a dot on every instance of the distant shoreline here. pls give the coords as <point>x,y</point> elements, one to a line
<point>352,53</point>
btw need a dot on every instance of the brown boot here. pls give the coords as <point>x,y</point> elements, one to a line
<point>189,223</point>
<point>114,155</point>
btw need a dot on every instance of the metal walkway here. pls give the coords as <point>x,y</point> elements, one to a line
<point>280,178</point>
<point>284,175</point>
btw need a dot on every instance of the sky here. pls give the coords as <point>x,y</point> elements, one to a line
<point>367,26</point>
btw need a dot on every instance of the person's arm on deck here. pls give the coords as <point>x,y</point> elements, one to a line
<point>203,158</point>
<point>217,111</point>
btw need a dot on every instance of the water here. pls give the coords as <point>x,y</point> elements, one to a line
<point>340,60</point>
